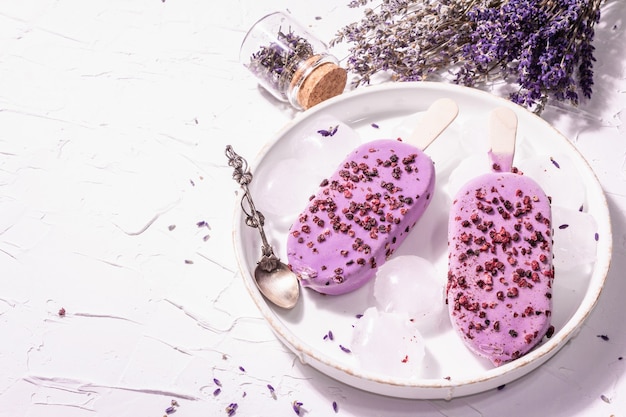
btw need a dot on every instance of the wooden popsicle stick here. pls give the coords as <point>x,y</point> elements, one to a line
<point>433,122</point>
<point>502,134</point>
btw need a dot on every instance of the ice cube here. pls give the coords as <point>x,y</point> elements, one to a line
<point>468,168</point>
<point>410,285</point>
<point>388,344</point>
<point>474,136</point>
<point>558,177</point>
<point>278,191</point>
<point>285,182</point>
<point>406,126</point>
<point>322,144</point>
<point>574,238</point>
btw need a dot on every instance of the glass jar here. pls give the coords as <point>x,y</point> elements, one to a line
<point>290,63</point>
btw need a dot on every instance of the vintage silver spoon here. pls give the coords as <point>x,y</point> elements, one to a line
<point>273,278</point>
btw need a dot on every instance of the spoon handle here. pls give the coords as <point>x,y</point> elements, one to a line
<point>254,218</point>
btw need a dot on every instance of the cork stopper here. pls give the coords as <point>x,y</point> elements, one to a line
<point>325,81</point>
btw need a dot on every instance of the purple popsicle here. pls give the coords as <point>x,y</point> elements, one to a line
<point>500,273</point>
<point>366,208</point>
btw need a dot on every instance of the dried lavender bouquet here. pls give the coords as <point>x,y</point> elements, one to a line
<point>543,47</point>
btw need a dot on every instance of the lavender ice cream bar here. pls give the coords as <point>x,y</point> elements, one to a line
<point>500,274</point>
<point>360,215</point>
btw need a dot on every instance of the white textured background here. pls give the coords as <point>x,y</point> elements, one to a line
<point>114,116</point>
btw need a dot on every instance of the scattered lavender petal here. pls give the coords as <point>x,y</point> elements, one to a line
<point>358,316</point>
<point>597,236</point>
<point>171,227</point>
<point>330,132</point>
<point>605,399</point>
<point>563,226</point>
<point>375,126</point>
<point>232,409</point>
<point>272,391</point>
<point>217,392</point>
<point>242,369</point>
<point>335,406</point>
<point>217,382</point>
<point>556,164</point>
<point>297,407</point>
<point>603,337</point>
<point>188,261</point>
<point>345,349</point>
<point>170,410</point>
<point>330,335</point>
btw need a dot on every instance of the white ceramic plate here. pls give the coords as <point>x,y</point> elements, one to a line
<point>291,166</point>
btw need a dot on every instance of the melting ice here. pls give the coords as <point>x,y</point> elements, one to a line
<point>286,182</point>
<point>409,284</point>
<point>388,343</point>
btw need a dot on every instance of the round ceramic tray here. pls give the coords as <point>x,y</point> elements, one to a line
<point>291,166</point>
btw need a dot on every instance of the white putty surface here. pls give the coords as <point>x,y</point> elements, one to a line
<point>114,117</point>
